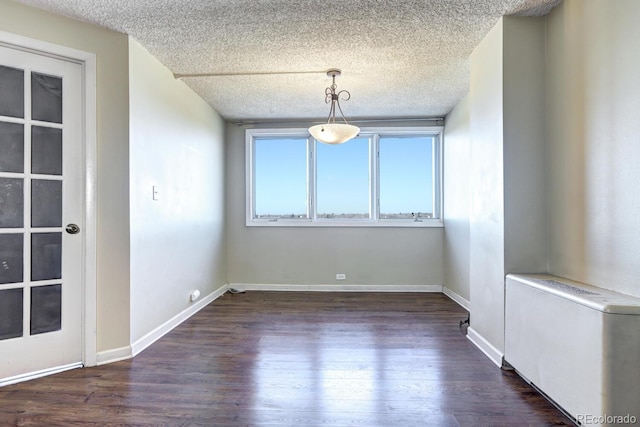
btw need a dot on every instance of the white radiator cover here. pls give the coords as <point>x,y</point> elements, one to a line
<point>578,344</point>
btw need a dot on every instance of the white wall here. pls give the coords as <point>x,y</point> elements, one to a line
<point>177,241</point>
<point>113,154</point>
<point>457,163</point>
<point>580,175</point>
<point>524,145</point>
<point>309,255</point>
<point>593,156</point>
<point>507,215</point>
<point>486,235</point>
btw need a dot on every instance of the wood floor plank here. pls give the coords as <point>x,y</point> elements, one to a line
<point>294,359</point>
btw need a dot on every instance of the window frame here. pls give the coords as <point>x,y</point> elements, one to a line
<point>374,134</point>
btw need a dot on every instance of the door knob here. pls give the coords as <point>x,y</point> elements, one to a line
<point>73,229</point>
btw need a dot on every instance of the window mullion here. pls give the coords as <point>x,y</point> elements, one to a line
<point>375,177</point>
<point>250,178</point>
<point>311,179</point>
<point>437,176</point>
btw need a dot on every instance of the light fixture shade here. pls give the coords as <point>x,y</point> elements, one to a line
<point>334,133</point>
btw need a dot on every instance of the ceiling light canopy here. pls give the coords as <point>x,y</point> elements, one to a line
<point>332,132</point>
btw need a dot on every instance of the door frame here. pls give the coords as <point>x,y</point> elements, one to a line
<point>87,61</point>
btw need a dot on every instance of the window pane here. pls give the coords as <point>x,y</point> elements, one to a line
<point>46,256</point>
<point>46,203</point>
<point>11,258</point>
<point>11,147</point>
<point>46,150</point>
<point>46,309</point>
<point>46,98</point>
<point>11,309</point>
<point>342,185</point>
<point>11,202</point>
<point>406,177</point>
<point>280,176</point>
<point>12,90</point>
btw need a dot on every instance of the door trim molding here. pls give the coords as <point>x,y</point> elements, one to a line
<point>89,110</point>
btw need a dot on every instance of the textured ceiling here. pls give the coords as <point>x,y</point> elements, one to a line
<point>399,58</point>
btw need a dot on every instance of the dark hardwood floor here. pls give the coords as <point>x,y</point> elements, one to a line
<point>294,359</point>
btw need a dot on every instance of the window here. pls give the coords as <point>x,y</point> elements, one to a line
<point>383,177</point>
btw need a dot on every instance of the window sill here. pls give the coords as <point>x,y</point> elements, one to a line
<point>425,223</point>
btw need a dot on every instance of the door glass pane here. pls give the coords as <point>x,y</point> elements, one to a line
<point>12,90</point>
<point>11,307</point>
<point>11,258</point>
<point>46,150</point>
<point>11,147</point>
<point>46,203</point>
<point>46,309</point>
<point>46,98</point>
<point>343,180</point>
<point>406,177</point>
<point>11,203</point>
<point>46,256</point>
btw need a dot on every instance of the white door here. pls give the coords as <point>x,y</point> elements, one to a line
<point>41,209</point>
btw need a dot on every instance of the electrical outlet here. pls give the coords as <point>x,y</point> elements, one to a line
<point>341,276</point>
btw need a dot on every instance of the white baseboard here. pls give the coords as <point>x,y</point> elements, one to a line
<point>333,287</point>
<point>127,352</point>
<point>114,355</point>
<point>153,336</point>
<point>457,298</point>
<point>486,347</point>
<point>38,374</point>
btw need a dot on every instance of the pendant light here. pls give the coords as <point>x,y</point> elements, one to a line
<point>332,132</point>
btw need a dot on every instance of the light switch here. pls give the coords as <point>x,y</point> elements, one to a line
<point>156,192</point>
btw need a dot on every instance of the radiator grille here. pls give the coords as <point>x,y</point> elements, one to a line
<point>565,287</point>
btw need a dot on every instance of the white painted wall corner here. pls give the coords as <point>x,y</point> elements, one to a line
<point>138,346</point>
<point>495,355</point>
<point>127,352</point>
<point>457,298</point>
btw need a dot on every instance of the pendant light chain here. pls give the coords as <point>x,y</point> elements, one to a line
<point>333,98</point>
